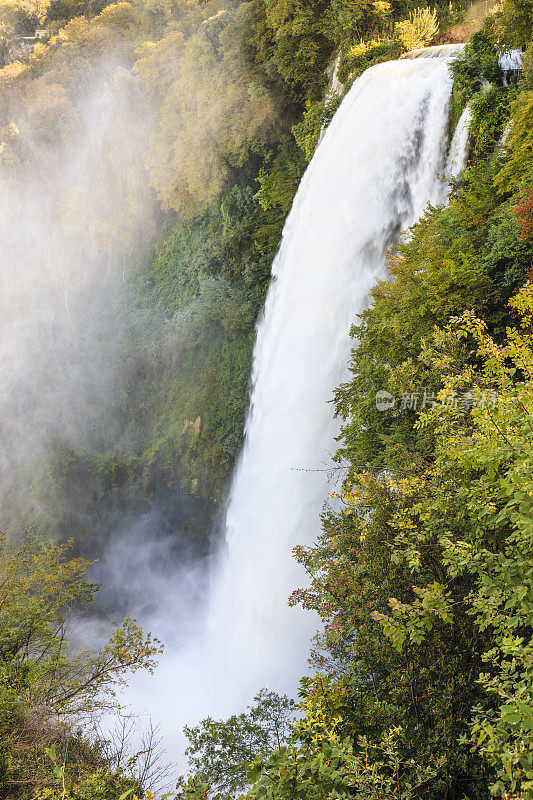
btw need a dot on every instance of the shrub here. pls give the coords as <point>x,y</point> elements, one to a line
<point>490,113</point>
<point>364,55</point>
<point>419,30</point>
<point>316,118</point>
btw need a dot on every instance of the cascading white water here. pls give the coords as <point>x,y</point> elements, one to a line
<point>372,175</point>
<point>459,145</point>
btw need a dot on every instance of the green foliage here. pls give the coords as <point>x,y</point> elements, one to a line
<point>489,450</point>
<point>419,30</point>
<point>220,752</point>
<point>350,20</point>
<point>99,784</point>
<point>478,64</point>
<point>472,69</point>
<point>18,18</point>
<point>516,170</point>
<point>490,113</point>
<point>46,682</point>
<point>173,277</point>
<point>210,115</point>
<point>360,57</point>
<point>64,10</point>
<point>507,258</point>
<point>515,23</point>
<point>286,46</point>
<point>38,589</point>
<point>337,770</point>
<point>527,68</point>
<point>279,177</point>
<point>430,550</point>
<point>121,16</point>
<point>209,279</point>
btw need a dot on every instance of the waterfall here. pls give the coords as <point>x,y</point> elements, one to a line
<point>371,177</point>
<point>511,64</point>
<point>459,145</point>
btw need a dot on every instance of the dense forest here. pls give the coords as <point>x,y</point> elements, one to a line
<point>421,677</point>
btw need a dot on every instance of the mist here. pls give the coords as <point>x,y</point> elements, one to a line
<point>77,216</point>
<point>75,210</point>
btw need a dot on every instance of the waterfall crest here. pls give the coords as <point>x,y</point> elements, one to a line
<point>371,177</point>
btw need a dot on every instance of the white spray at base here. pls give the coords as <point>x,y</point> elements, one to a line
<point>371,177</point>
